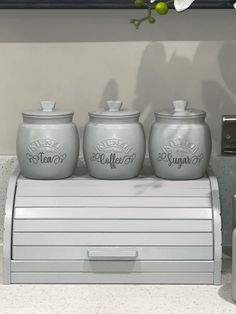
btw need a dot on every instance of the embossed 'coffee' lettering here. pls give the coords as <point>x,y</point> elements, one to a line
<point>112,160</point>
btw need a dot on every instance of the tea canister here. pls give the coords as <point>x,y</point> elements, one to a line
<point>114,143</point>
<point>180,143</point>
<point>47,144</point>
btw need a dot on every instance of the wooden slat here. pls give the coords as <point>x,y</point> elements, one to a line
<point>113,254</point>
<point>43,225</point>
<point>112,213</point>
<point>82,183</point>
<point>76,252</point>
<point>117,188</point>
<point>125,278</point>
<point>171,239</point>
<point>112,202</point>
<point>113,266</point>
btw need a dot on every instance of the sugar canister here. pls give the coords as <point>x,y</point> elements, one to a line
<point>180,143</point>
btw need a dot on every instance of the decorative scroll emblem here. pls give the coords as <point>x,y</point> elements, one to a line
<point>45,151</point>
<point>180,152</point>
<point>113,152</point>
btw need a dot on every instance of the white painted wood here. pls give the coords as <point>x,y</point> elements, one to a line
<point>117,188</point>
<point>7,231</point>
<point>112,201</point>
<point>113,266</point>
<point>80,184</point>
<point>80,253</point>
<point>144,230</point>
<point>86,225</point>
<point>112,213</point>
<point>217,226</point>
<point>116,253</point>
<point>123,278</point>
<point>171,239</point>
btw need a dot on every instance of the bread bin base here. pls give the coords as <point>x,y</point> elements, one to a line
<point>83,230</point>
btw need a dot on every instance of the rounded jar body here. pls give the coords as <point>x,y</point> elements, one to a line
<point>47,148</point>
<point>114,148</point>
<point>179,148</point>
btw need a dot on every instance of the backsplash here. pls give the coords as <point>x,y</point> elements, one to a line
<point>81,58</point>
<point>224,168</point>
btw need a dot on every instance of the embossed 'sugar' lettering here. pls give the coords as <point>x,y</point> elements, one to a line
<point>179,161</point>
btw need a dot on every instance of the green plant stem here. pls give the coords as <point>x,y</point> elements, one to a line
<point>138,22</point>
<point>146,5</point>
<point>169,2</point>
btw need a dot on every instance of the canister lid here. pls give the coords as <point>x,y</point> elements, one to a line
<point>114,111</point>
<point>180,111</point>
<point>48,112</point>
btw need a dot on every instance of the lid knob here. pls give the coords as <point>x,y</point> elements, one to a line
<point>48,105</point>
<point>180,105</point>
<point>114,105</point>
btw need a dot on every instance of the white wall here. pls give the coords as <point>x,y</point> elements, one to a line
<point>80,58</point>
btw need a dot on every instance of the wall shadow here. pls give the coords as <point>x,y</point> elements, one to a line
<point>110,92</point>
<point>158,82</point>
<point>206,80</point>
<point>218,97</point>
<point>227,63</point>
<point>113,25</point>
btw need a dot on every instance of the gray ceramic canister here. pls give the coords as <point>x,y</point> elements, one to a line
<point>180,143</point>
<point>114,143</point>
<point>47,143</point>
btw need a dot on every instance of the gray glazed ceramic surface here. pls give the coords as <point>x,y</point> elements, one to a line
<point>180,143</point>
<point>114,143</point>
<point>234,264</point>
<point>47,143</point>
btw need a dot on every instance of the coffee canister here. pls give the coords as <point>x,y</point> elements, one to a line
<point>180,143</point>
<point>47,144</point>
<point>114,143</point>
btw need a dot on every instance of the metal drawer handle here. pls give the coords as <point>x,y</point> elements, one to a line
<point>112,254</point>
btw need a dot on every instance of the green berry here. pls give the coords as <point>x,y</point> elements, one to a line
<point>161,8</point>
<point>151,19</point>
<point>139,3</point>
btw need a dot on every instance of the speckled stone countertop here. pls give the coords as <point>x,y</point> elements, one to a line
<point>120,299</point>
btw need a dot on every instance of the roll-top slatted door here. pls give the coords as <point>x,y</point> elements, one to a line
<point>144,230</point>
